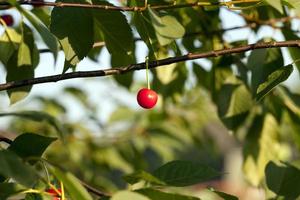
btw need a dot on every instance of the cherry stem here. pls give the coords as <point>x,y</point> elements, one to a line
<point>62,190</point>
<point>147,72</point>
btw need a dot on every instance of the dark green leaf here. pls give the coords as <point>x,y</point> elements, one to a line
<point>18,73</point>
<point>116,31</point>
<point>159,195</point>
<point>30,145</point>
<point>234,103</point>
<point>273,80</point>
<point>73,26</point>
<point>284,180</point>
<point>184,173</point>
<point>145,30</point>
<point>8,189</point>
<point>122,60</point>
<point>203,76</point>
<point>13,167</point>
<point>262,63</point>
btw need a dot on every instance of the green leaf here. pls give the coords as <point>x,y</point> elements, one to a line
<point>294,52</point>
<point>296,5</point>
<point>142,175</point>
<point>122,60</point>
<point>44,32</point>
<point>18,73</point>
<point>30,145</point>
<point>262,145</point>
<point>38,117</point>
<point>276,4</point>
<point>21,65</point>
<point>13,167</point>
<point>223,195</point>
<point>156,194</point>
<point>128,195</point>
<point>284,180</point>
<point>24,55</point>
<point>74,26</point>
<point>184,173</point>
<point>71,58</point>
<point>167,27</point>
<point>145,30</point>
<point>72,185</point>
<point>263,65</point>
<point>234,103</point>
<point>9,41</point>
<point>203,76</point>
<point>8,189</point>
<point>117,33</point>
<point>273,80</point>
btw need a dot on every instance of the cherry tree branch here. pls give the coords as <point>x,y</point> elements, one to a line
<point>6,140</point>
<point>228,4</point>
<point>152,64</point>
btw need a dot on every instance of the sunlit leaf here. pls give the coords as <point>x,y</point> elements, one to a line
<point>276,4</point>
<point>72,185</point>
<point>46,35</point>
<point>128,195</point>
<point>142,175</point>
<point>224,195</point>
<point>156,194</point>
<point>273,80</point>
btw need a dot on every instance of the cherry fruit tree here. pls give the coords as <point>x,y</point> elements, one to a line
<point>158,153</point>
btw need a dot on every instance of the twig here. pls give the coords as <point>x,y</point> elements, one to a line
<point>152,64</point>
<point>6,140</point>
<point>228,4</point>
<point>94,190</point>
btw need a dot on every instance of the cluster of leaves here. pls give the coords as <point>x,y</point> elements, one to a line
<point>241,87</point>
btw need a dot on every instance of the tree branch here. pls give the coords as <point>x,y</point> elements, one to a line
<point>6,140</point>
<point>94,190</point>
<point>136,8</point>
<point>152,64</point>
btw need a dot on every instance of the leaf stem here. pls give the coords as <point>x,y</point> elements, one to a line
<point>147,72</point>
<point>62,190</point>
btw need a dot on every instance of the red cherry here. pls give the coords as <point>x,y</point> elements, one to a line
<point>146,98</point>
<point>52,192</point>
<point>8,19</point>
